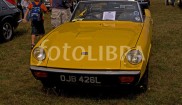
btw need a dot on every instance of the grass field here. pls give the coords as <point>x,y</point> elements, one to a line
<point>18,87</point>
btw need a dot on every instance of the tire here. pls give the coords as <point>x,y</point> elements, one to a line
<point>6,31</point>
<point>166,2</point>
<point>47,84</point>
<point>143,84</point>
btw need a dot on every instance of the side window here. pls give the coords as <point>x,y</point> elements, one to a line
<point>3,5</point>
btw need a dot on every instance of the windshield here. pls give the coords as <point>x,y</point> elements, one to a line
<point>107,11</point>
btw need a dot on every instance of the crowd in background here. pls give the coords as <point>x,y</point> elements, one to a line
<point>23,4</point>
<point>60,13</point>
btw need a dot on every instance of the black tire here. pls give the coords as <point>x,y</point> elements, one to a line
<point>166,2</point>
<point>143,84</point>
<point>47,84</point>
<point>6,31</point>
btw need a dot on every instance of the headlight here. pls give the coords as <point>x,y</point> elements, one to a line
<point>134,56</point>
<point>39,53</point>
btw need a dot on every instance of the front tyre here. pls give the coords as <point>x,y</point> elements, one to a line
<point>6,31</point>
<point>47,84</point>
<point>143,84</point>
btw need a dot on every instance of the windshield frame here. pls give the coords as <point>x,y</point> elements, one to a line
<point>138,6</point>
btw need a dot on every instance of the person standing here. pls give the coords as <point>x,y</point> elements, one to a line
<point>170,2</point>
<point>60,12</point>
<point>74,3</point>
<point>173,2</point>
<point>20,7</point>
<point>37,20</point>
<point>24,4</point>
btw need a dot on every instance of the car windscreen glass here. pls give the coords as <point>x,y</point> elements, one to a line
<point>107,11</point>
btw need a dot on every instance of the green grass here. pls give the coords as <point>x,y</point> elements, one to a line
<point>18,87</point>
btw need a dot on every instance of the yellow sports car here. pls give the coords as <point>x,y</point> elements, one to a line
<point>105,43</point>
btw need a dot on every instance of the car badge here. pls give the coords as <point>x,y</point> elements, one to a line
<point>84,53</point>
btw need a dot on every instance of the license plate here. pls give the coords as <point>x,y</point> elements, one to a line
<point>80,79</point>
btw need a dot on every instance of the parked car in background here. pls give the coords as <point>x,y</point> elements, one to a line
<point>9,20</point>
<point>106,43</point>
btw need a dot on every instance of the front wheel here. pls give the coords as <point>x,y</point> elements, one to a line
<point>143,84</point>
<point>47,84</point>
<point>6,30</point>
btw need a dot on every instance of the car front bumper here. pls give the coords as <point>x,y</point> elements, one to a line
<point>86,77</point>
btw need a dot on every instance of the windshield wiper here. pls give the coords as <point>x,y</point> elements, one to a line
<point>77,19</point>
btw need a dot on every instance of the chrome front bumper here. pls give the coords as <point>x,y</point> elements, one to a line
<point>82,71</point>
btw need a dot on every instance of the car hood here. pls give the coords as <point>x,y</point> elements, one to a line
<point>86,45</point>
